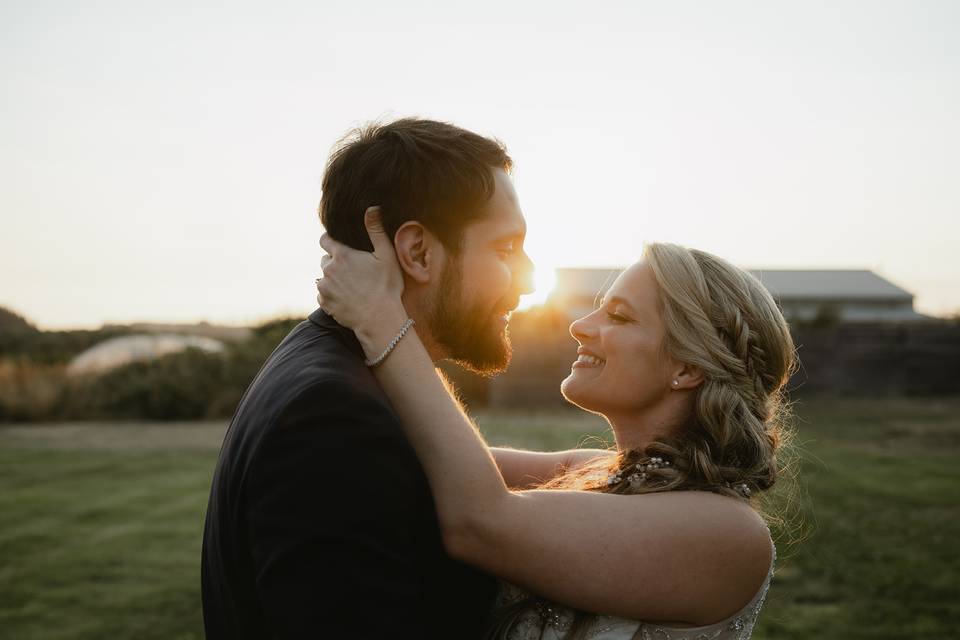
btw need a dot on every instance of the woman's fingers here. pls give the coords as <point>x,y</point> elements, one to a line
<point>325,243</point>
<point>326,296</point>
<point>378,237</point>
<point>319,295</point>
<point>330,245</point>
<point>354,283</point>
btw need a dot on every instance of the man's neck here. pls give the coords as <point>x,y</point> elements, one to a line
<point>421,323</point>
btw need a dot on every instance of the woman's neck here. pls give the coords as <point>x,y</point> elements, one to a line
<point>637,429</point>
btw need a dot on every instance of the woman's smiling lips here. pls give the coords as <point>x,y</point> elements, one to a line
<point>585,359</point>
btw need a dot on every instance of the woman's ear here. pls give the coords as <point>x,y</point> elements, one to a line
<point>415,247</point>
<point>686,376</point>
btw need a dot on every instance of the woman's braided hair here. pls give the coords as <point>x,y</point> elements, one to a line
<point>723,320</point>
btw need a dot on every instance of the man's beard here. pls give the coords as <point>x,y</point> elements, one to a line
<point>470,336</point>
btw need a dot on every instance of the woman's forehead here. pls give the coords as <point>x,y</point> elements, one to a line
<point>636,286</point>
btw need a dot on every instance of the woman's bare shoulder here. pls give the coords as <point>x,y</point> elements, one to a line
<point>723,541</point>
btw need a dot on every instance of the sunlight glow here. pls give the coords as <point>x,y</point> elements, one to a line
<point>544,279</point>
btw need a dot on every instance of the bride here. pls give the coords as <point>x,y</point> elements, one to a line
<point>686,358</point>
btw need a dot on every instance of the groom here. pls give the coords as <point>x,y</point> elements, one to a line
<point>320,522</point>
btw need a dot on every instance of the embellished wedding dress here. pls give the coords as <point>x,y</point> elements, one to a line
<point>550,621</point>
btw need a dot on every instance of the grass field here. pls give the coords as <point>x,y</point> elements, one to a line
<point>100,523</point>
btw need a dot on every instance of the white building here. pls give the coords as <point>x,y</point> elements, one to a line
<point>123,350</point>
<point>804,295</point>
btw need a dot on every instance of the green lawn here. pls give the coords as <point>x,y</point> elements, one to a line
<point>100,524</point>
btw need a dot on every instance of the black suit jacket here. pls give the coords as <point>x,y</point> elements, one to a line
<point>320,522</point>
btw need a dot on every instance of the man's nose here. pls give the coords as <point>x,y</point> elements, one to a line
<point>524,275</point>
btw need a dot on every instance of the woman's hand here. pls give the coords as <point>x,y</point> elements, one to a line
<point>362,290</point>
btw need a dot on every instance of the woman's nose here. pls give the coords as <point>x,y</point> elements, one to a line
<point>583,328</point>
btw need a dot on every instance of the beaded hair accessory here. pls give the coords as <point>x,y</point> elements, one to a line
<point>639,472</point>
<point>636,474</point>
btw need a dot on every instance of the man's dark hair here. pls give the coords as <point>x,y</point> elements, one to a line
<point>432,172</point>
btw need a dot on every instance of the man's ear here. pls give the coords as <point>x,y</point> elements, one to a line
<point>416,249</point>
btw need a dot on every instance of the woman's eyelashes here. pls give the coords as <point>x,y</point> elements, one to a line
<point>617,318</point>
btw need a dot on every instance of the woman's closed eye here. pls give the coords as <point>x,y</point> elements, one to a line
<point>617,318</point>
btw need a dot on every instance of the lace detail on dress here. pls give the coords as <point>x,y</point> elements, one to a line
<point>545,620</point>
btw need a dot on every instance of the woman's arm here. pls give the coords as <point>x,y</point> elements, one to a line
<point>529,469</point>
<point>685,553</point>
<point>685,556</point>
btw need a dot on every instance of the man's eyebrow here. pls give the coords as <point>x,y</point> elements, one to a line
<point>514,234</point>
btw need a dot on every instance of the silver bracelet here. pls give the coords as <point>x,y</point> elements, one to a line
<point>393,344</point>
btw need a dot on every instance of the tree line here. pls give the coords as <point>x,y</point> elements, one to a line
<point>191,384</point>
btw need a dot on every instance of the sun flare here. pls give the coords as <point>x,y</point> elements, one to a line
<point>544,281</point>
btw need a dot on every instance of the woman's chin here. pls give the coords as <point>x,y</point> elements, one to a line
<point>571,390</point>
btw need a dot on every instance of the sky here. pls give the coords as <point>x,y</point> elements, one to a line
<point>161,161</point>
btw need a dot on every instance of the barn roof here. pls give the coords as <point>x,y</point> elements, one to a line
<point>784,284</point>
<point>837,284</point>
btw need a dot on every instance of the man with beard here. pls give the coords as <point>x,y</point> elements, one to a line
<point>320,521</point>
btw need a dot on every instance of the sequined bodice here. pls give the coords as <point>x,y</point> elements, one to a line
<point>553,620</point>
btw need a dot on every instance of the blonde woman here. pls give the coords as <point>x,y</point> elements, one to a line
<point>686,358</point>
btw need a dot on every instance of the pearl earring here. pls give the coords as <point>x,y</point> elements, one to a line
<point>676,382</point>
